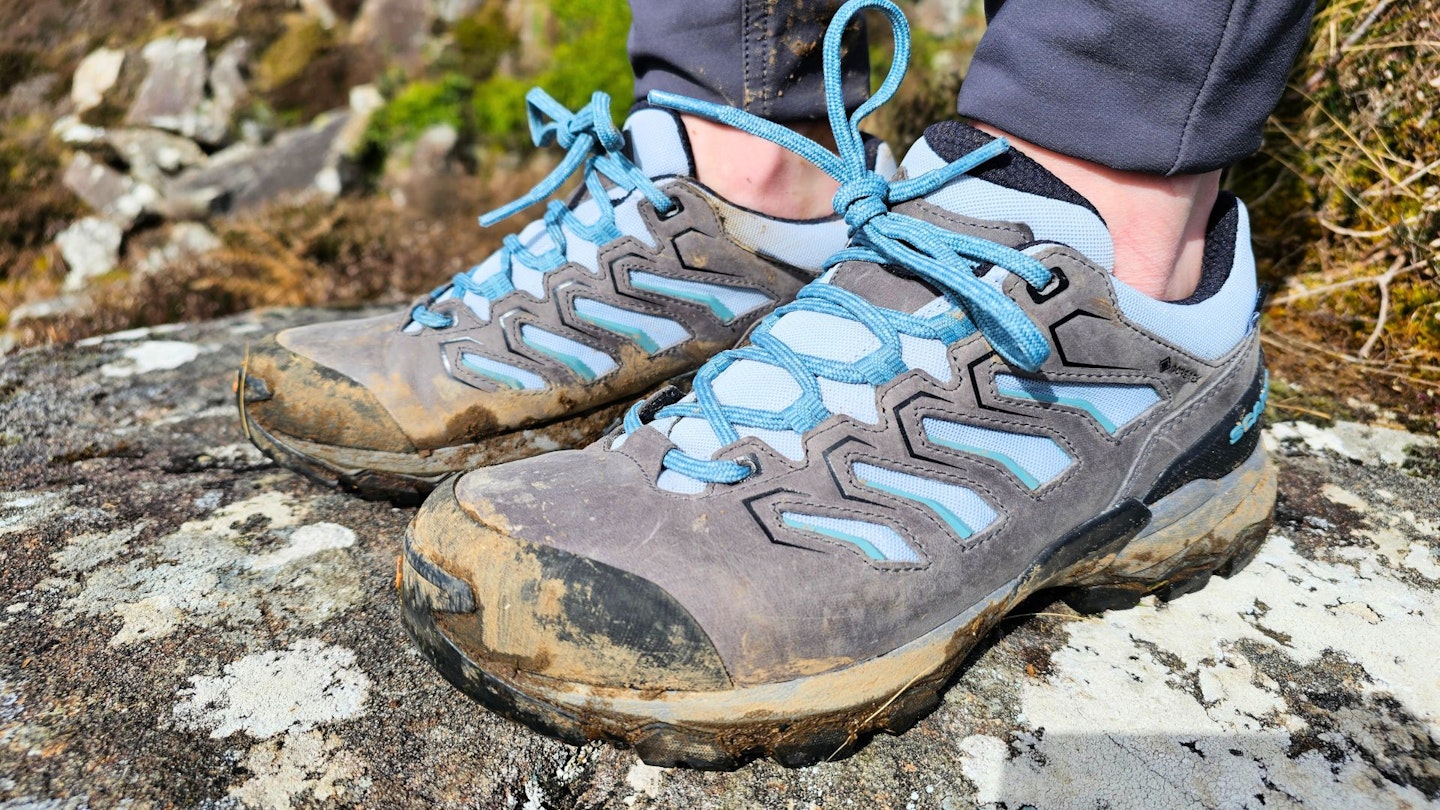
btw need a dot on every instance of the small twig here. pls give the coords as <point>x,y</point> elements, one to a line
<point>851,737</point>
<point>1288,407</point>
<point>1343,231</point>
<point>1383,278</point>
<point>1319,75</point>
<point>1384,283</point>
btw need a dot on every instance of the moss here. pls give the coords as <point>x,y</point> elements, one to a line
<point>481,40</point>
<point>418,107</point>
<point>287,57</point>
<point>587,54</point>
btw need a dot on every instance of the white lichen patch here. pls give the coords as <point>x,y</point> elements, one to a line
<point>223,571</point>
<point>299,765</point>
<point>1164,705</point>
<point>23,511</point>
<point>151,355</point>
<point>1367,444</point>
<point>84,552</point>
<point>265,694</point>
<point>306,541</point>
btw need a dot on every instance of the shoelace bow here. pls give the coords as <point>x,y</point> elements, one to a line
<point>592,142</point>
<point>877,234</point>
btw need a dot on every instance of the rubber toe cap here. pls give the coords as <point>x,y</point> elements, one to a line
<point>514,604</point>
<point>288,393</point>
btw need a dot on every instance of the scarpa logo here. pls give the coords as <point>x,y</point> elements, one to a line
<point>1253,415</point>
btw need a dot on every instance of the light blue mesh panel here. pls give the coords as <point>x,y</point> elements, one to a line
<point>672,481</point>
<point>504,373</point>
<point>856,400</point>
<point>819,334</point>
<point>1049,219</point>
<point>959,507</point>
<point>658,142</point>
<point>728,303</point>
<point>652,333</point>
<point>629,221</point>
<point>1113,405</point>
<point>876,541</point>
<point>799,244</point>
<point>1209,328</point>
<point>1035,460</point>
<point>930,356</point>
<point>586,362</point>
<point>751,384</point>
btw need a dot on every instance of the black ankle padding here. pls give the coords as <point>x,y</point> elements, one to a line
<point>1219,256</point>
<point>952,140</point>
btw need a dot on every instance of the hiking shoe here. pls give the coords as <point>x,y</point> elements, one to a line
<point>966,409</point>
<point>642,277</point>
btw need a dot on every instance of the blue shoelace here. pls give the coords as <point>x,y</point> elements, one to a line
<point>946,259</point>
<point>594,145</point>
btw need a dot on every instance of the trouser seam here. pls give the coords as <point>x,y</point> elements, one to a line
<point>1200,91</point>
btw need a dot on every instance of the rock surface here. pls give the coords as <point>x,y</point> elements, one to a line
<point>174,87</point>
<point>94,77</point>
<point>90,247</point>
<point>113,195</point>
<point>185,624</point>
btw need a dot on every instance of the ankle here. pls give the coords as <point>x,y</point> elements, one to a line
<point>1157,223</point>
<point>757,174</point>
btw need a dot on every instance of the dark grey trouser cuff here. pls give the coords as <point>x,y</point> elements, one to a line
<point>762,56</point>
<point>1138,85</point>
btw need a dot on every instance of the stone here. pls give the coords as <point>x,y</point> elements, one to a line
<point>95,75</point>
<point>420,174</point>
<point>228,91</point>
<point>152,155</point>
<point>396,29</point>
<point>174,86</point>
<point>91,248</point>
<point>71,130</point>
<point>242,650</point>
<point>221,14</point>
<point>110,193</point>
<point>46,309</point>
<point>184,241</point>
<point>298,162</point>
<point>452,10</point>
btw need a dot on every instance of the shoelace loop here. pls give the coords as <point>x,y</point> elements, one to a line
<point>594,145</point>
<point>947,259</point>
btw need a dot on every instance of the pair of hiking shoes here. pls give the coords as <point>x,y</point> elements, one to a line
<point>904,420</point>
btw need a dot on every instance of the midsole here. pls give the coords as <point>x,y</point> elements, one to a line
<point>495,449</point>
<point>877,681</point>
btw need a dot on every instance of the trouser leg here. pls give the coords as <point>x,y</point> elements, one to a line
<point>763,56</point>
<point>1137,85</point>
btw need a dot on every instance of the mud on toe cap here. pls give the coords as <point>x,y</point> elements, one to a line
<point>288,393</point>
<point>509,604</point>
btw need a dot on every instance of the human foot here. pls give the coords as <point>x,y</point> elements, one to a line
<point>968,408</point>
<point>541,345</point>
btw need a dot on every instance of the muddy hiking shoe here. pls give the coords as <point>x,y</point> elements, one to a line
<point>966,409</point>
<point>643,276</point>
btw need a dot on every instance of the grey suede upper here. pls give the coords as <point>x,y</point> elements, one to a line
<point>778,602</point>
<point>423,387</point>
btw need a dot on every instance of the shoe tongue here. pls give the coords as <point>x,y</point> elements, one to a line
<point>657,142</point>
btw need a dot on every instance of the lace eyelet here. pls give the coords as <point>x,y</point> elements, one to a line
<point>679,206</point>
<point>1058,284</point>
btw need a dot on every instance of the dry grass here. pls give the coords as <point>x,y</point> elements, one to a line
<point>1345,198</point>
<point>359,249</point>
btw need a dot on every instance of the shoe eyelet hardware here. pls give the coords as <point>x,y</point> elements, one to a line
<point>679,206</point>
<point>749,462</point>
<point>1058,284</point>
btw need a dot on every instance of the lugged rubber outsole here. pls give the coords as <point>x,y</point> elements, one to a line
<point>1167,550</point>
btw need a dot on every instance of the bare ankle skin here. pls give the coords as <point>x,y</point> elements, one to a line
<point>755,173</point>
<point>1158,223</point>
